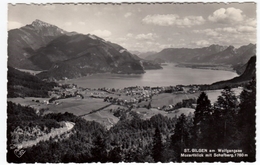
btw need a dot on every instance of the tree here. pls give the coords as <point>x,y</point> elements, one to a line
<point>115,155</point>
<point>149,105</point>
<point>202,121</point>
<point>157,146</point>
<point>99,153</point>
<point>225,110</point>
<point>181,137</point>
<point>246,120</point>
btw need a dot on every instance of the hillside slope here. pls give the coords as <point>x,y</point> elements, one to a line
<point>249,73</point>
<point>22,84</point>
<point>23,42</point>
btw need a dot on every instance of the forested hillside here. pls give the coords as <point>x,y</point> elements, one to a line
<point>22,84</point>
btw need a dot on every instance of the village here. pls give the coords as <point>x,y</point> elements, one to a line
<point>135,96</point>
<point>103,104</point>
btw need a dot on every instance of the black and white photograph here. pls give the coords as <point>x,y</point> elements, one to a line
<point>131,82</point>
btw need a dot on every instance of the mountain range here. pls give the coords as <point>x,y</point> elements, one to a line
<point>61,54</point>
<point>214,54</point>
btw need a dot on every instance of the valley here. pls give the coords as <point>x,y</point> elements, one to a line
<point>100,105</point>
<point>131,82</point>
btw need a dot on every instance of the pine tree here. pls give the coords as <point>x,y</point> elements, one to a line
<point>181,137</point>
<point>157,146</point>
<point>246,120</point>
<point>225,110</point>
<point>202,121</point>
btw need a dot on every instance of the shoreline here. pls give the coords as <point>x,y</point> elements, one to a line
<point>206,66</point>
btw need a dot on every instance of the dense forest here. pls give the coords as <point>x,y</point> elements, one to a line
<point>22,84</point>
<point>229,123</point>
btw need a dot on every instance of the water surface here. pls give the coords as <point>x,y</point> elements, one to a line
<point>169,75</point>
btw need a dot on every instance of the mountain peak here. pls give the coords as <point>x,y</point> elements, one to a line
<point>40,23</point>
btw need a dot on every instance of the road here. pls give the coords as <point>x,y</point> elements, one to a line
<point>52,134</point>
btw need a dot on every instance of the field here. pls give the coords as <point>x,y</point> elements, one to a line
<point>168,98</point>
<point>148,113</point>
<point>27,101</point>
<point>77,106</point>
<point>178,112</point>
<point>105,116</point>
<point>213,94</point>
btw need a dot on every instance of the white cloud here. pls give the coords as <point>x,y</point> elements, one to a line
<point>202,43</point>
<point>173,20</point>
<point>148,36</point>
<point>227,29</point>
<point>129,35</point>
<point>229,15</point>
<point>128,14</point>
<point>101,33</point>
<point>246,29</point>
<point>14,25</point>
<point>251,22</point>
<point>208,32</point>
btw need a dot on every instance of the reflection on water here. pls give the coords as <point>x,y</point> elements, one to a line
<point>169,75</point>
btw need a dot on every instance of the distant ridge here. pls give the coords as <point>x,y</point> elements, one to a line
<point>214,54</point>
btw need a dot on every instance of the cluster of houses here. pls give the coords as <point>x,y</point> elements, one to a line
<point>120,101</point>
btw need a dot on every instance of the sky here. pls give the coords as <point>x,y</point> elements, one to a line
<point>148,27</point>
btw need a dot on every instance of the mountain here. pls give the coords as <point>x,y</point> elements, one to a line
<point>248,74</point>
<point>184,54</point>
<point>79,55</point>
<point>143,54</point>
<point>214,54</point>
<point>22,84</point>
<point>23,42</point>
<point>61,54</point>
<point>230,56</point>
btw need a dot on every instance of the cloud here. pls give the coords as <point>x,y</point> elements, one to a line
<point>129,35</point>
<point>225,16</point>
<point>227,29</point>
<point>173,20</point>
<point>246,29</point>
<point>208,32</point>
<point>201,43</point>
<point>251,22</point>
<point>148,36</point>
<point>14,25</point>
<point>102,33</point>
<point>128,14</point>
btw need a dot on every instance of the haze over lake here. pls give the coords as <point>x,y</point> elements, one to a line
<point>169,75</point>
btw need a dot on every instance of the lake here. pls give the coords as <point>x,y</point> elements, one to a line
<point>169,75</point>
